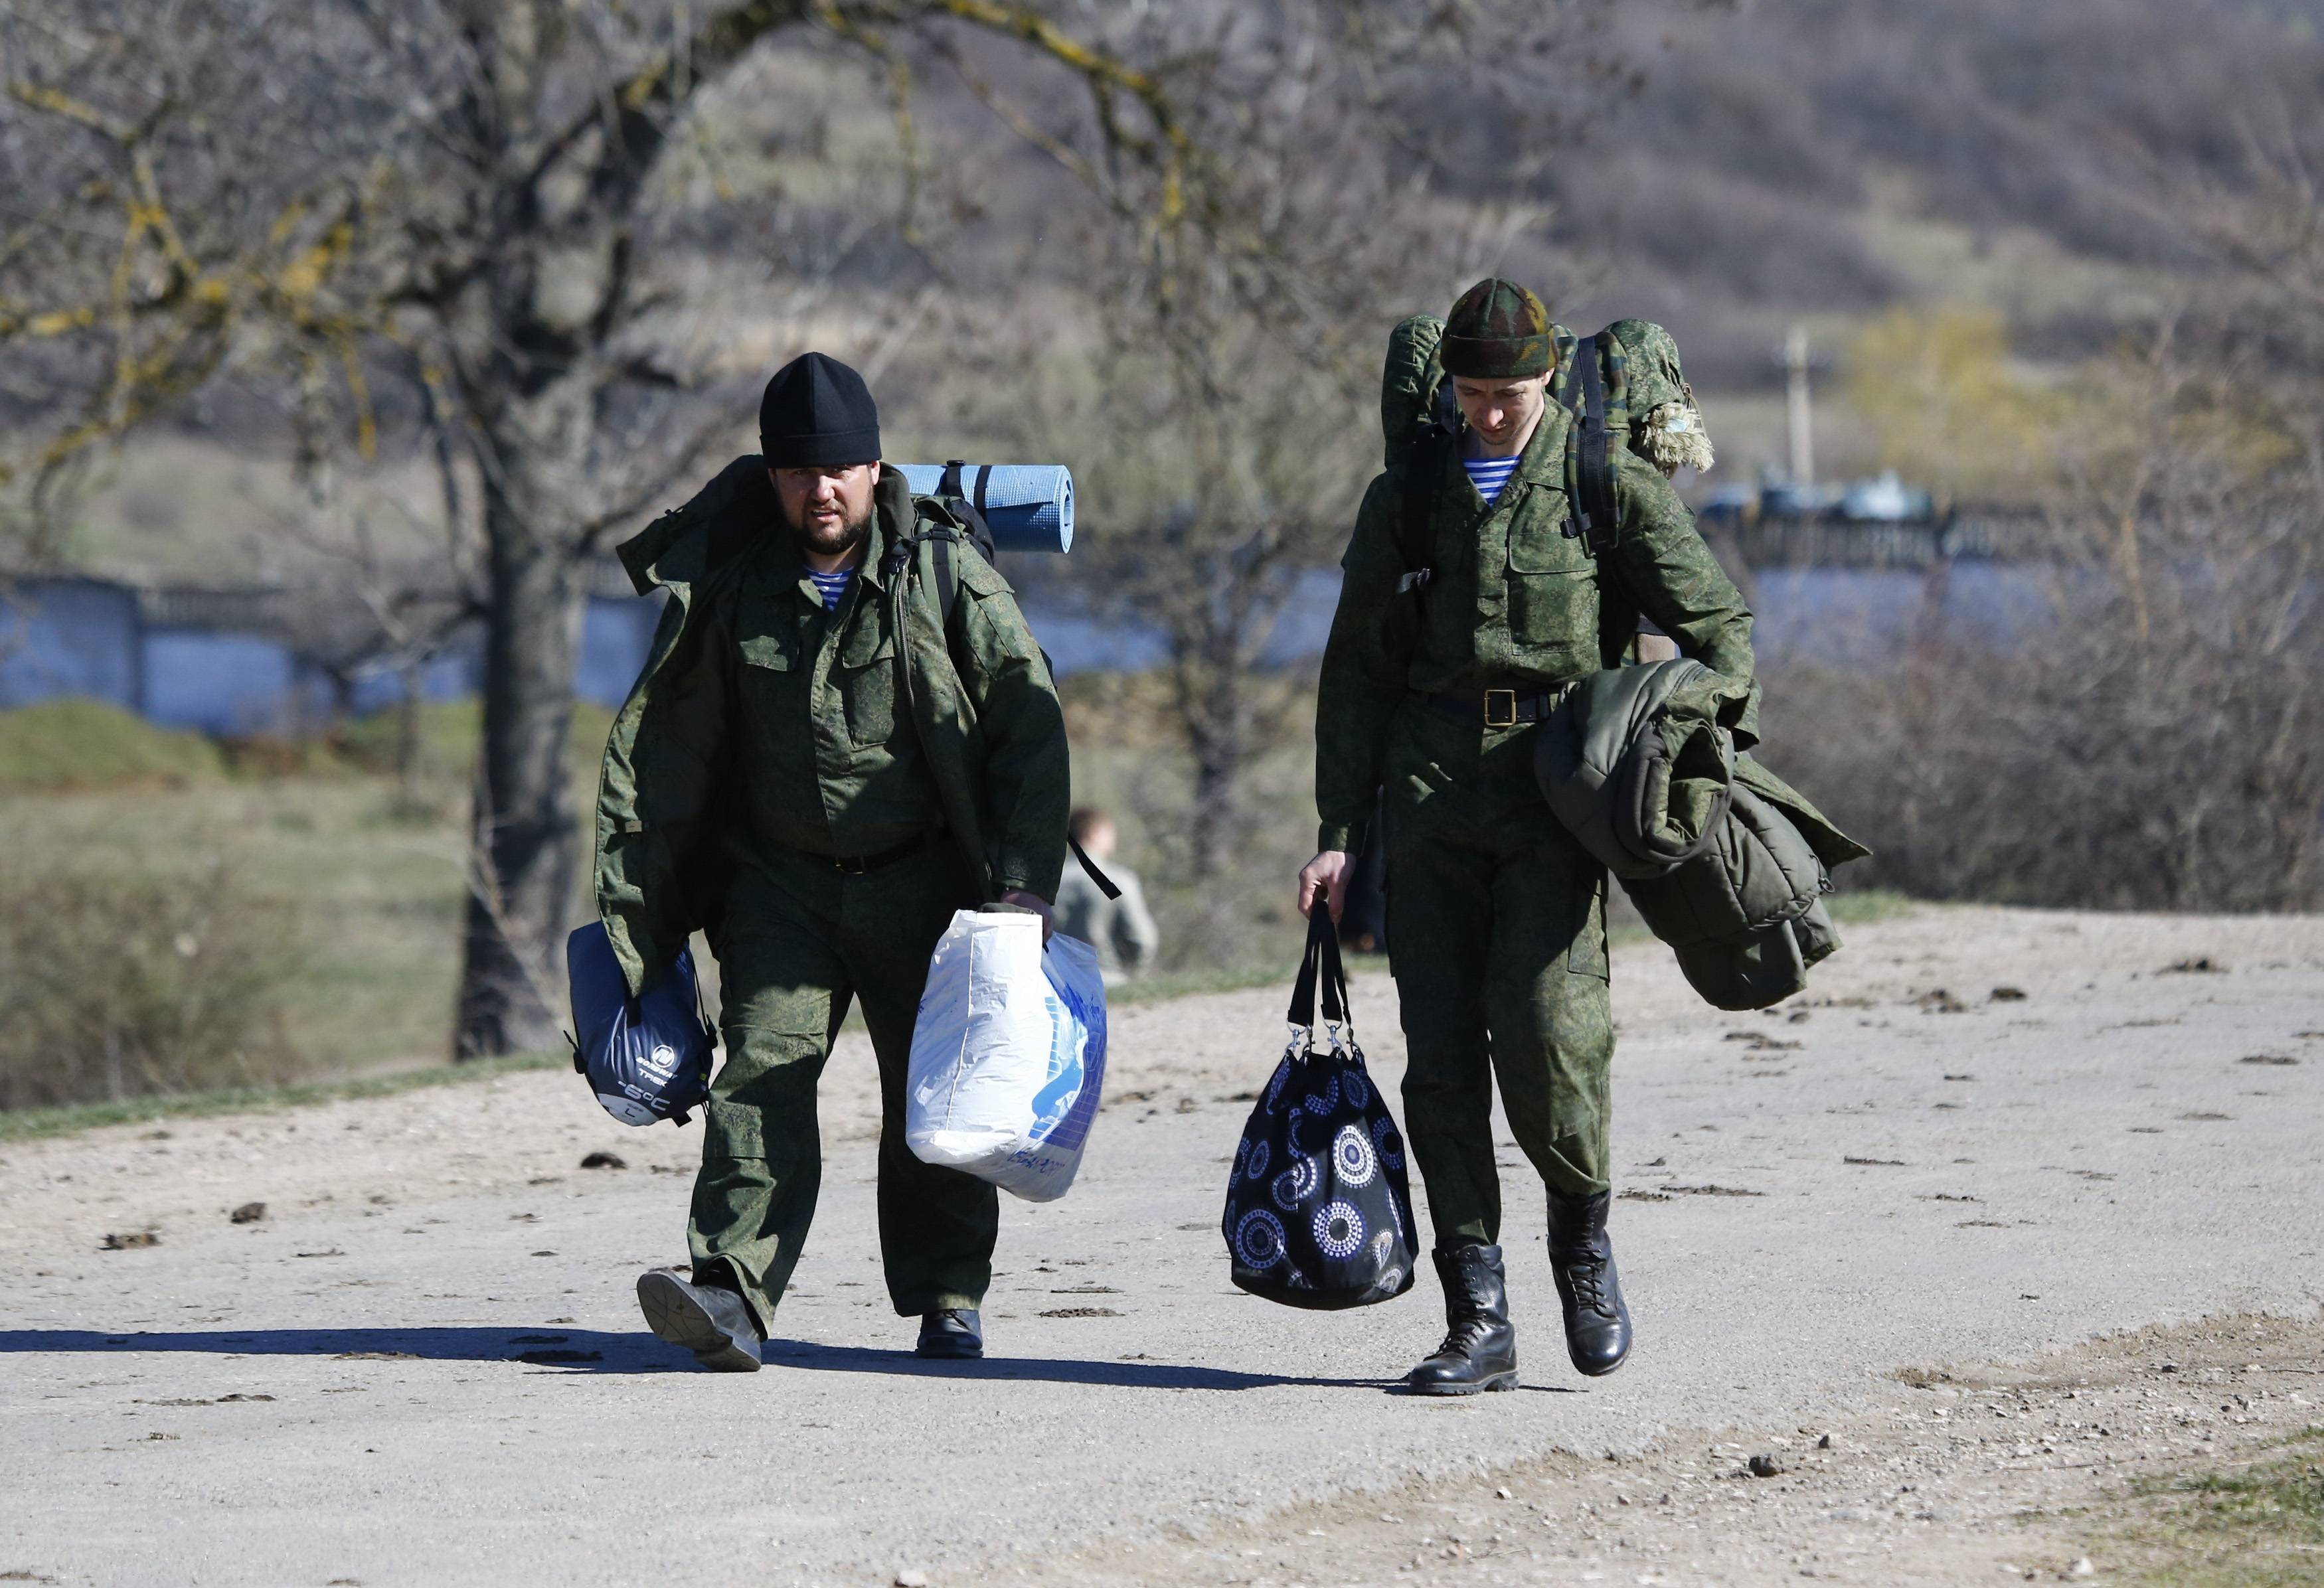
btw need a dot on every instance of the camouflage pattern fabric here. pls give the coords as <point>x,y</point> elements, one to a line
<point>991,751</point>
<point>767,735</point>
<point>1496,924</point>
<point>1497,938</point>
<point>1497,331</point>
<point>800,941</point>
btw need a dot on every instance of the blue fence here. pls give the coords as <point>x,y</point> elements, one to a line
<point>134,649</point>
<point>77,637</point>
<point>205,660</point>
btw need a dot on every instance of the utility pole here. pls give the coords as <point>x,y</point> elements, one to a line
<point>1798,410</point>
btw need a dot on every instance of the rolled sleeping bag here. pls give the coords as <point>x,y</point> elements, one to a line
<point>1029,506</point>
<point>646,1057</point>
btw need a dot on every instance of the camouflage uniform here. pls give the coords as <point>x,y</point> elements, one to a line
<point>767,754</point>
<point>1496,917</point>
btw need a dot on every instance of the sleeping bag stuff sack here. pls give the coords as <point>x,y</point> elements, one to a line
<point>1029,507</point>
<point>647,1058</point>
<point>1318,1212</point>
<point>1008,1054</point>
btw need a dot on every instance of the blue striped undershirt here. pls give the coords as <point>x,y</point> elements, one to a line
<point>1488,476</point>
<point>833,586</point>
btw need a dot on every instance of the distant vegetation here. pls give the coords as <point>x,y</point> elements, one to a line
<point>117,983</point>
<point>179,914</point>
<point>62,745</point>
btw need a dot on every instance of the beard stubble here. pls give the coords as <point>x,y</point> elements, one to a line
<point>832,543</point>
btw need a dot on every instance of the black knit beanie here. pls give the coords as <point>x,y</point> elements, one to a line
<point>818,413</point>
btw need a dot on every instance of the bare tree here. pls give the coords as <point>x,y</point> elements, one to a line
<point>482,205</point>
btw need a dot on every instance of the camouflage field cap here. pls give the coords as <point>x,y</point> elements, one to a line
<point>1497,330</point>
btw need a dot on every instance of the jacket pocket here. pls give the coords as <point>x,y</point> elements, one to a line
<point>1554,612</point>
<point>1538,543</point>
<point>863,676</point>
<point>1552,583</point>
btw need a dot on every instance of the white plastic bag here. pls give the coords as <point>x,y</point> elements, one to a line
<point>1008,1054</point>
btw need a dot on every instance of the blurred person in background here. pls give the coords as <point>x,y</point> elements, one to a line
<point>1122,929</point>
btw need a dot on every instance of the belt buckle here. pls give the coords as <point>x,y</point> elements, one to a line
<point>1507,696</point>
<point>850,864</point>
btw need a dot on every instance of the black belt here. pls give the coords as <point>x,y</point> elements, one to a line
<point>1494,707</point>
<point>858,865</point>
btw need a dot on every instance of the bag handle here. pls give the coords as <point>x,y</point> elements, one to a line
<point>1321,962</point>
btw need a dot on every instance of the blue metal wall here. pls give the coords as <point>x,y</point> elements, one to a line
<point>87,638</point>
<point>77,637</point>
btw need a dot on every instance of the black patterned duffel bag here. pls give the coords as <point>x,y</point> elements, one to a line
<point>1318,1213</point>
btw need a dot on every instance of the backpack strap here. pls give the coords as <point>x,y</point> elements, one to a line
<point>1422,464</point>
<point>1105,885</point>
<point>1596,519</point>
<point>942,541</point>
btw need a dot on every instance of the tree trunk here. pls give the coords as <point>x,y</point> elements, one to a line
<point>522,867</point>
<point>1213,712</point>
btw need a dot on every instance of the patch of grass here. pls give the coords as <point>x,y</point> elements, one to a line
<point>377,904</point>
<point>2260,1526</point>
<point>1186,984</point>
<point>1861,906</point>
<point>375,884</point>
<point>124,981</point>
<point>63,745</point>
<point>450,732</point>
<point>36,1124</point>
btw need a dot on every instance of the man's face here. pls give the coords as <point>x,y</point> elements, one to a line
<point>1100,841</point>
<point>829,509</point>
<point>1501,411</point>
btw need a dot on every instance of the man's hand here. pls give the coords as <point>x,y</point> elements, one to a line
<point>1326,877</point>
<point>1036,904</point>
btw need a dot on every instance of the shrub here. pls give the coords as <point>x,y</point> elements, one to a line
<point>73,743</point>
<point>116,985</point>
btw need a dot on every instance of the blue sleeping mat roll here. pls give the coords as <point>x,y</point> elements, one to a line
<point>1030,506</point>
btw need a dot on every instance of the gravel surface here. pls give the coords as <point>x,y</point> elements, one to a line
<point>1984,1137</point>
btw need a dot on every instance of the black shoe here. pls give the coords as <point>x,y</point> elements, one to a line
<point>951,1334</point>
<point>709,1320</point>
<point>1480,1349</point>
<point>1596,1319</point>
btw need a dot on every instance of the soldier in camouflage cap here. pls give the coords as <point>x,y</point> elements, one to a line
<point>773,782</point>
<point>1499,330</point>
<point>1466,608</point>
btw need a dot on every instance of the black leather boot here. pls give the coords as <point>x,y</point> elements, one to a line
<point>1480,1349</point>
<point>1596,1319</point>
<point>951,1334</point>
<point>707,1318</point>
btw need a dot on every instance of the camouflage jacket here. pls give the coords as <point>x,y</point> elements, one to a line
<point>762,721</point>
<point>1514,602</point>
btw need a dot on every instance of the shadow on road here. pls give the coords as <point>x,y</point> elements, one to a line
<point>1125,1375</point>
<point>583,1349</point>
<point>592,1352</point>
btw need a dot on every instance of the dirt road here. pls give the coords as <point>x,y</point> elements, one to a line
<point>1986,1137</point>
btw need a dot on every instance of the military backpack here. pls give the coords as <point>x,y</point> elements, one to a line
<point>1624,382</point>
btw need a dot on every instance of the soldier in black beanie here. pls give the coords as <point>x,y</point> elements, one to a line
<point>768,783</point>
<point>819,431</point>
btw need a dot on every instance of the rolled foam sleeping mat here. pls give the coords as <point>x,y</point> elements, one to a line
<point>1030,506</point>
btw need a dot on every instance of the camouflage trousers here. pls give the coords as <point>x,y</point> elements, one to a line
<point>1497,939</point>
<point>800,941</point>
